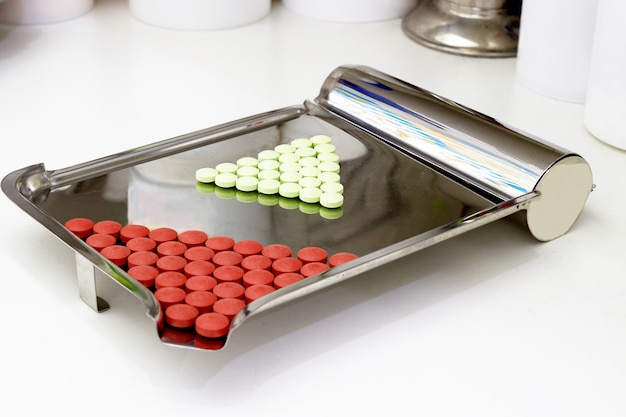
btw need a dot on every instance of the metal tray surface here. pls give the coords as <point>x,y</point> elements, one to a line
<point>398,199</point>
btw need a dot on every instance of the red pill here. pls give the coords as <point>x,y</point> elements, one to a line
<point>118,254</point>
<point>138,244</point>
<point>258,276</point>
<point>313,268</point>
<point>80,226</point>
<point>200,283</point>
<point>193,237</point>
<point>248,247</point>
<point>100,241</point>
<point>171,248</point>
<point>276,251</point>
<point>202,342</point>
<point>229,290</point>
<point>170,279</point>
<point>340,258</point>
<point>312,254</point>
<point>228,273</point>
<point>284,265</point>
<point>220,243</point>
<point>229,307</point>
<point>212,325</point>
<point>131,231</point>
<point>198,268</point>
<point>286,279</point>
<point>181,316</point>
<point>255,292</point>
<point>142,258</point>
<point>227,257</point>
<point>199,253</point>
<point>171,263</point>
<point>202,300</point>
<point>108,227</point>
<point>144,274</point>
<point>168,296</point>
<point>177,336</point>
<point>256,262</point>
<point>163,234</point>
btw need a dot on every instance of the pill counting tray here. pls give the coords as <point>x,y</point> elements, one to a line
<point>417,169</point>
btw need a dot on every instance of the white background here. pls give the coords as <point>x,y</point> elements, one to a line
<point>491,323</point>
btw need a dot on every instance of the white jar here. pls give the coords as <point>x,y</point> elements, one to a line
<point>351,11</point>
<point>35,12</point>
<point>199,14</point>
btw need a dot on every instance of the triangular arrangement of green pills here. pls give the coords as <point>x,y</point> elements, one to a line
<point>305,168</point>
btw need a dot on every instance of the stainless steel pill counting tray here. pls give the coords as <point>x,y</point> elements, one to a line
<point>417,169</point>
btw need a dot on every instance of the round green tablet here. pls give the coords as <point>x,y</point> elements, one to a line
<point>290,176</point>
<point>285,148</point>
<point>268,155</point>
<point>311,182</point>
<point>329,167</point>
<point>319,139</point>
<point>268,174</point>
<point>268,186</point>
<point>328,157</point>
<point>289,190</point>
<point>226,167</point>
<point>246,183</point>
<point>332,187</point>
<point>328,177</point>
<point>331,200</point>
<point>268,164</point>
<point>225,180</point>
<point>310,171</point>
<point>288,157</point>
<point>247,171</point>
<point>247,161</point>
<point>325,148</point>
<point>302,143</point>
<point>309,161</point>
<point>305,152</point>
<point>289,167</point>
<point>310,195</point>
<point>206,175</point>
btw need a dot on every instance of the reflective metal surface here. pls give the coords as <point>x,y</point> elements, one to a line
<point>417,169</point>
<point>482,28</point>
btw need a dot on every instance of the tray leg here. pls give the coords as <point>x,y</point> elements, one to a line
<point>87,287</point>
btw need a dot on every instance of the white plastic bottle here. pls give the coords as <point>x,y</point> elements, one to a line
<point>35,12</point>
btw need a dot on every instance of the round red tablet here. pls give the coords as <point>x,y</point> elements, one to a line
<point>212,325</point>
<point>168,296</point>
<point>181,315</point>
<point>229,307</point>
<point>202,300</point>
<point>171,248</point>
<point>227,257</point>
<point>220,243</point>
<point>193,237</point>
<point>80,226</point>
<point>284,265</point>
<point>131,231</point>
<point>108,227</point>
<point>228,273</point>
<point>99,241</point>
<point>229,290</point>
<point>118,254</point>
<point>170,279</point>
<point>199,253</point>
<point>171,263</point>
<point>256,262</point>
<point>286,279</point>
<point>200,283</point>
<point>313,268</point>
<point>142,258</point>
<point>248,247</point>
<point>144,274</point>
<point>141,244</point>
<point>163,234</point>
<point>258,276</point>
<point>198,268</point>
<point>255,292</point>
<point>276,250</point>
<point>340,258</point>
<point>312,254</point>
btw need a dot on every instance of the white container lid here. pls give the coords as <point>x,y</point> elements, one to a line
<point>35,12</point>
<point>351,11</point>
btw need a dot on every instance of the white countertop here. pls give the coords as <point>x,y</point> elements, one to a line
<point>490,323</point>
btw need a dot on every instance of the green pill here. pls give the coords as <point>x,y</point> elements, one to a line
<point>305,152</point>
<point>310,171</point>
<point>248,171</point>
<point>225,180</point>
<point>332,187</point>
<point>267,199</point>
<point>268,155</point>
<point>288,157</point>
<point>310,182</point>
<point>302,143</point>
<point>328,177</point>
<point>206,175</point>
<point>246,197</point>
<point>290,176</point>
<point>320,139</point>
<point>310,195</point>
<point>285,148</point>
<point>331,214</point>
<point>225,193</point>
<point>268,174</point>
<point>247,161</point>
<point>226,167</point>
<point>329,167</point>
<point>247,183</point>
<point>205,188</point>
<point>308,208</point>
<point>328,157</point>
<point>288,203</point>
<point>309,161</point>
<point>268,186</point>
<point>268,164</point>
<point>289,167</point>
<point>331,200</point>
<point>325,148</point>
<point>289,190</point>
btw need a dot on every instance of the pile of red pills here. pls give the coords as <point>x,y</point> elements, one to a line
<point>201,281</point>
